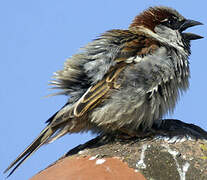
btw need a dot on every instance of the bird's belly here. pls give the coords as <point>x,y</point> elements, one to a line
<point>133,107</point>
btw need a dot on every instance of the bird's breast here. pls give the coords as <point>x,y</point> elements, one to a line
<point>159,77</point>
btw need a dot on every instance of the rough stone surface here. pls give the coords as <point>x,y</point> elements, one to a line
<point>153,158</point>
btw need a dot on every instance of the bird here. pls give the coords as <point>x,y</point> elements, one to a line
<point>124,81</point>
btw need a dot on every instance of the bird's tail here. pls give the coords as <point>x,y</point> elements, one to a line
<point>34,146</point>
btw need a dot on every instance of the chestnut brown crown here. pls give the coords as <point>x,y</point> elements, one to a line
<point>154,16</point>
<point>164,16</point>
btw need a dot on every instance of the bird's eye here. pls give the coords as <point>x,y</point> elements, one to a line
<point>171,21</point>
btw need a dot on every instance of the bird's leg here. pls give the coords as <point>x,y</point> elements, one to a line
<point>128,133</point>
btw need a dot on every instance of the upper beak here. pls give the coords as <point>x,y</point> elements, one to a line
<point>190,23</point>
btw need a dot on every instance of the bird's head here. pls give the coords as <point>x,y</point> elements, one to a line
<point>165,25</point>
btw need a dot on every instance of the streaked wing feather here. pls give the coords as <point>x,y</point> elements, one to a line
<point>97,93</point>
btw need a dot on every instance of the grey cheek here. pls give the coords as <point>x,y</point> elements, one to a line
<point>169,34</point>
<point>165,32</point>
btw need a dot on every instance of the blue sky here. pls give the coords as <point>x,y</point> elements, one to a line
<point>37,37</point>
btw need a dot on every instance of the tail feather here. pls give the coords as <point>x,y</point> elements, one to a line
<point>52,131</point>
<point>34,146</point>
<point>57,135</point>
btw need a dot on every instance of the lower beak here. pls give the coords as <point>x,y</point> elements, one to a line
<point>191,36</point>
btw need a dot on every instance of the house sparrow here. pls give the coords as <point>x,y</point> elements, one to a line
<point>124,81</point>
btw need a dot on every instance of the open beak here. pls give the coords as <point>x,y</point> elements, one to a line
<point>187,24</point>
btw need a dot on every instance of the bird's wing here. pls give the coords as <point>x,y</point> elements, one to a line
<point>100,91</point>
<point>138,46</point>
<point>94,61</point>
<point>97,93</point>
